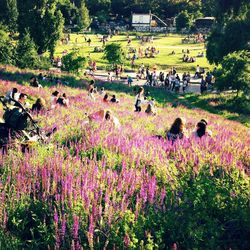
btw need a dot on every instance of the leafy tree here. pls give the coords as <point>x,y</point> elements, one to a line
<point>98,5</point>
<point>69,12</point>
<point>83,16</point>
<point>9,14</point>
<point>73,62</point>
<point>26,54</point>
<point>235,36</point>
<point>183,20</point>
<point>114,53</point>
<point>234,72</point>
<point>6,47</point>
<point>44,22</point>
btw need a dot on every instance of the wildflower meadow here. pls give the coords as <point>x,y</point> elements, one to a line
<point>93,186</point>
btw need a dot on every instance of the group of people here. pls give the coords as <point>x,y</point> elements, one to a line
<point>177,130</point>
<point>207,82</point>
<point>171,80</point>
<point>13,96</point>
<point>149,52</point>
<point>188,59</point>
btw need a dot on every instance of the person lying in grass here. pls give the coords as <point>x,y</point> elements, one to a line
<point>104,116</point>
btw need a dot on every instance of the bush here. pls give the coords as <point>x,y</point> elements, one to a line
<point>32,224</point>
<point>114,53</point>
<point>73,62</point>
<point>44,63</point>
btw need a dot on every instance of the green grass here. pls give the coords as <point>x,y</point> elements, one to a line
<point>163,60</point>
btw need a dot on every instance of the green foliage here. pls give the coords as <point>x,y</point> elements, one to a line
<point>44,22</point>
<point>83,16</point>
<point>114,53</point>
<point>73,62</point>
<point>234,72</point>
<point>32,224</point>
<point>69,12</point>
<point>8,242</point>
<point>6,47</point>
<point>98,5</point>
<point>26,55</point>
<point>9,14</point>
<point>200,214</point>
<point>183,20</point>
<point>222,43</point>
<point>44,63</point>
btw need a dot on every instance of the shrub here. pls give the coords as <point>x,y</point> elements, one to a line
<point>32,224</point>
<point>73,62</point>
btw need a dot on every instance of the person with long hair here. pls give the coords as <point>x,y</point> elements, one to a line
<point>201,129</point>
<point>138,99</point>
<point>177,130</point>
<point>39,105</point>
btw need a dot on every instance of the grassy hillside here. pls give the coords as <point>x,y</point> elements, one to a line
<point>96,187</point>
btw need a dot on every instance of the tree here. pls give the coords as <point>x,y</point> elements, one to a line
<point>69,12</point>
<point>98,5</point>
<point>73,62</point>
<point>114,53</point>
<point>26,54</point>
<point>9,14</point>
<point>183,20</point>
<point>44,22</point>
<point>83,16</point>
<point>6,47</point>
<point>234,72</point>
<point>234,36</point>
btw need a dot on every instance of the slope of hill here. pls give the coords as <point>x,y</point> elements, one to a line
<point>97,187</point>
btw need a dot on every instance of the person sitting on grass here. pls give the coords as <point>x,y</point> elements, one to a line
<point>150,110</point>
<point>201,129</point>
<point>38,106</point>
<point>102,91</point>
<point>35,83</point>
<point>22,99</point>
<point>63,100</point>
<point>104,116</point>
<point>105,98</point>
<point>177,130</point>
<point>114,99</point>
<point>53,99</point>
<point>91,95</point>
<point>12,94</point>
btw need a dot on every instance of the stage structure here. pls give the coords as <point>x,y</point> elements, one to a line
<point>147,22</point>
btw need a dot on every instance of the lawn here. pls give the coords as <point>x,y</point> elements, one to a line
<point>164,60</point>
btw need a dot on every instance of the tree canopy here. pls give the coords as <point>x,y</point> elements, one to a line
<point>114,53</point>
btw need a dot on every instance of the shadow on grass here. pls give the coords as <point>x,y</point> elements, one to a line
<point>163,97</point>
<point>24,77</point>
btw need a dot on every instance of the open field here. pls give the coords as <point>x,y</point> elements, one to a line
<point>164,60</point>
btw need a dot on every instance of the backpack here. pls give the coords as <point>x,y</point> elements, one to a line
<point>16,119</point>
